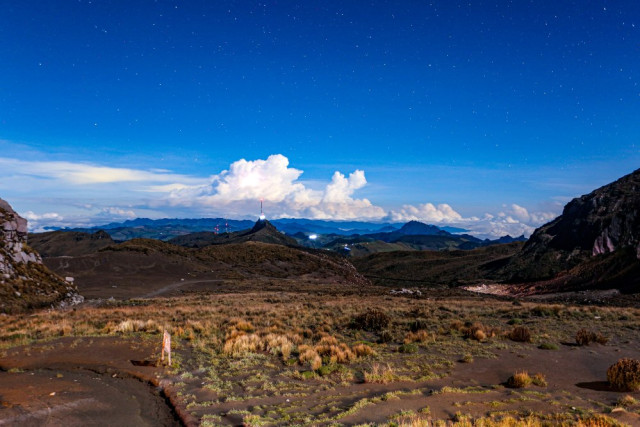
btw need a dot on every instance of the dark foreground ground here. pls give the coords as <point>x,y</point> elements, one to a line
<point>316,356</point>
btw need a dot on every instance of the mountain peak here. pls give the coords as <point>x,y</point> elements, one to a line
<point>263,224</point>
<point>603,222</point>
<point>416,228</point>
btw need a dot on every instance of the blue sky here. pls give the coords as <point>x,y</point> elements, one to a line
<point>443,111</point>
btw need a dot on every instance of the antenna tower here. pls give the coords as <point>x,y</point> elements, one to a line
<point>262,217</point>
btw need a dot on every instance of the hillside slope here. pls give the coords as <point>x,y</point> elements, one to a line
<point>144,267</point>
<point>435,268</point>
<point>69,243</point>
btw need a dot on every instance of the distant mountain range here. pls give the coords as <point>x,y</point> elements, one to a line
<point>168,228</point>
<point>353,238</point>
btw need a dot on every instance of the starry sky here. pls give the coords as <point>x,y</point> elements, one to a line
<point>486,114</point>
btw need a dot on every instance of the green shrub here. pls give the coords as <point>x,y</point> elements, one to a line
<point>408,348</point>
<point>325,370</point>
<point>547,346</point>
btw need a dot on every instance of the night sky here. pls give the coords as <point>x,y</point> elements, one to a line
<point>490,115</point>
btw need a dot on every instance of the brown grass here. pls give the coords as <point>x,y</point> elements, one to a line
<point>520,334</point>
<point>519,380</point>
<point>585,337</point>
<point>624,375</point>
<point>379,373</point>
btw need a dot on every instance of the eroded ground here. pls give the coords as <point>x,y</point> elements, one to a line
<point>298,358</point>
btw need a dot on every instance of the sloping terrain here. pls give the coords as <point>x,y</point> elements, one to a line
<point>24,281</point>
<point>144,267</point>
<point>69,243</point>
<point>435,268</point>
<point>594,243</point>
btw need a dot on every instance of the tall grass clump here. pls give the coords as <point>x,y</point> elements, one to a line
<point>520,334</point>
<point>585,337</point>
<point>371,320</point>
<point>624,375</point>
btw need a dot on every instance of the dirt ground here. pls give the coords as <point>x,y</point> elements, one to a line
<point>82,381</point>
<point>98,364</point>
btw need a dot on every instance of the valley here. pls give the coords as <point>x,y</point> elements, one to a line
<point>268,331</point>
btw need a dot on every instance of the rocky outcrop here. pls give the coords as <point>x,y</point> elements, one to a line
<point>24,281</point>
<point>604,223</point>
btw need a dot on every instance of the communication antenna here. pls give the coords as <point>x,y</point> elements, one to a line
<point>262,217</point>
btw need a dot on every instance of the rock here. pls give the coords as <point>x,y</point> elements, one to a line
<point>26,283</point>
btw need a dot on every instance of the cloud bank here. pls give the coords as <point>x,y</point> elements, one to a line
<point>99,194</point>
<point>238,189</point>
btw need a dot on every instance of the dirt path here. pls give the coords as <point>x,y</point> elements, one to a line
<point>82,381</point>
<point>177,285</point>
<point>78,398</point>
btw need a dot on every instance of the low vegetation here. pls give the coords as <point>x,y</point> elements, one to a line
<point>624,375</point>
<point>585,337</point>
<point>266,358</point>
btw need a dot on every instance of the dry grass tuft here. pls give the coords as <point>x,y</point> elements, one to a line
<point>421,336</point>
<point>624,375</point>
<point>242,344</point>
<point>361,350</point>
<point>311,357</point>
<point>539,379</point>
<point>627,401</point>
<point>520,334</point>
<point>371,320</point>
<point>585,337</point>
<point>478,331</point>
<point>519,380</point>
<point>381,374</point>
<point>278,345</point>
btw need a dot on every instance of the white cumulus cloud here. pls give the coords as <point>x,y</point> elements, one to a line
<point>238,189</point>
<point>427,212</point>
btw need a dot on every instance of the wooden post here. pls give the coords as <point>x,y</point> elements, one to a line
<point>166,346</point>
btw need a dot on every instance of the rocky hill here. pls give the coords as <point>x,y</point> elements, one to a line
<point>596,241</point>
<point>24,281</point>
<point>415,227</point>
<point>262,231</point>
